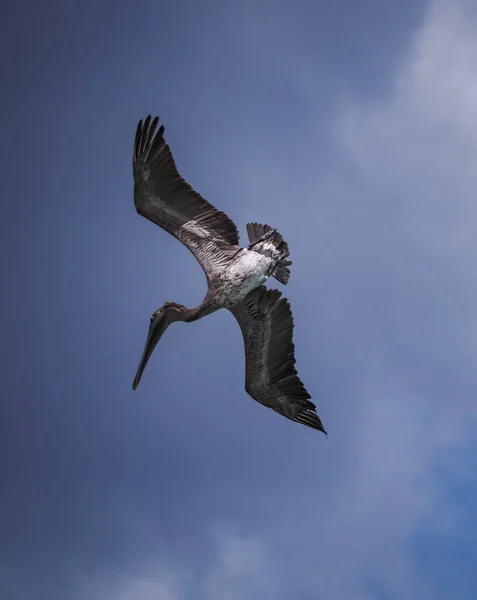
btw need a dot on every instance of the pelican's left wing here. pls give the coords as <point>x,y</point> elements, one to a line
<point>165,198</point>
<point>271,378</point>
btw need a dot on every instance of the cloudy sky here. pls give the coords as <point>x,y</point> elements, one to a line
<point>352,128</point>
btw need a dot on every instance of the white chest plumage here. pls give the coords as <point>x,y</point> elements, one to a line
<point>249,271</point>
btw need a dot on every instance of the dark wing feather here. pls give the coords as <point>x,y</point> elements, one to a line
<point>271,378</point>
<point>165,198</point>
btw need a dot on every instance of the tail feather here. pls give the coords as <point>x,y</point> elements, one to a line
<point>282,272</point>
<point>268,241</point>
<point>256,231</point>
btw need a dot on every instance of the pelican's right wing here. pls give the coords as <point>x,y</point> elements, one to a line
<point>165,198</point>
<point>271,378</point>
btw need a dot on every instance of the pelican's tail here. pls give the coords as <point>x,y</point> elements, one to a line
<point>282,272</point>
<point>267,241</point>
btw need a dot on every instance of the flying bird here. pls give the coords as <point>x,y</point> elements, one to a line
<point>235,277</point>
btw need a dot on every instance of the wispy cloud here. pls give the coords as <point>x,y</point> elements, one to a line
<point>239,569</point>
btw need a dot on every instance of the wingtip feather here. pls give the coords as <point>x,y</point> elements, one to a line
<point>146,134</point>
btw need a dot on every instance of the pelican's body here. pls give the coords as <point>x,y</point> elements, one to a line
<point>247,270</point>
<point>235,277</point>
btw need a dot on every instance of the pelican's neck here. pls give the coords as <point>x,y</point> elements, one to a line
<point>204,309</point>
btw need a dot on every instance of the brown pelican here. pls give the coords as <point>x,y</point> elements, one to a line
<point>235,277</point>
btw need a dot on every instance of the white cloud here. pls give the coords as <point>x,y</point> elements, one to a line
<point>148,589</point>
<point>238,571</point>
<point>419,146</point>
<point>242,570</point>
<point>155,584</point>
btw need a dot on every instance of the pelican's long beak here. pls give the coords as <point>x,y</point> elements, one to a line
<point>159,323</point>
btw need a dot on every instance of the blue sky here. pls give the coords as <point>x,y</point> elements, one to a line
<point>351,128</point>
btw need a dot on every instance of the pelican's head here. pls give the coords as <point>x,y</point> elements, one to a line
<point>169,306</point>
<point>168,313</point>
